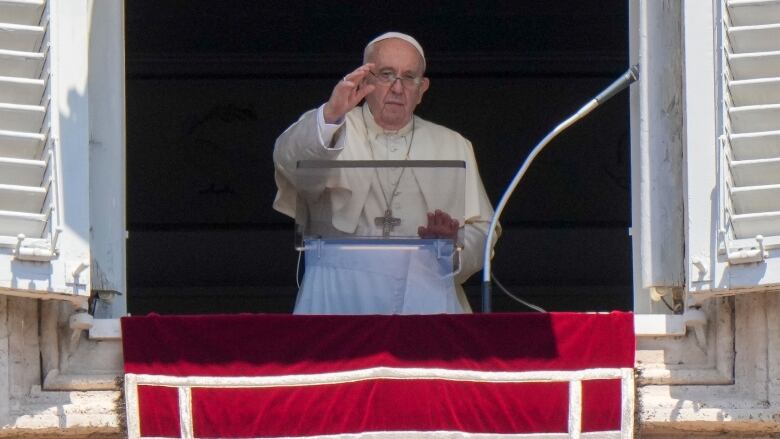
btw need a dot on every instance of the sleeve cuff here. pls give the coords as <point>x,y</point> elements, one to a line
<point>326,131</point>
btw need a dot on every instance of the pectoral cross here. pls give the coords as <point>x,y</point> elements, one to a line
<point>388,222</point>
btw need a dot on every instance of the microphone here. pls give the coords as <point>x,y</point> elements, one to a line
<point>631,75</point>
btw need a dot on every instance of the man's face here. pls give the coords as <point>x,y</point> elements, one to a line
<point>392,105</point>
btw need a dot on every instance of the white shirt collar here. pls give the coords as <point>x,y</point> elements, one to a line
<point>377,130</point>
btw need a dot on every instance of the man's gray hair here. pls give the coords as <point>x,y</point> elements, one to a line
<point>388,35</point>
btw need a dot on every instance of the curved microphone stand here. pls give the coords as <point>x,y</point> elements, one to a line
<point>624,81</point>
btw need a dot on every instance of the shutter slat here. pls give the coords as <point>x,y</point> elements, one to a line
<point>755,118</point>
<point>25,118</point>
<point>756,172</point>
<point>21,64</point>
<point>752,146</point>
<point>755,65</point>
<point>762,38</point>
<point>755,199</point>
<point>753,224</point>
<point>21,145</point>
<point>754,12</point>
<point>13,223</point>
<point>21,90</point>
<point>21,172</point>
<point>22,198</point>
<point>764,91</point>
<point>20,37</point>
<point>21,11</point>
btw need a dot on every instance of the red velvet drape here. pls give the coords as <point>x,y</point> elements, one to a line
<point>273,345</point>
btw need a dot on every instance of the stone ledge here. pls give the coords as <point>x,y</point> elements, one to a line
<point>674,422</point>
<point>60,433</point>
<point>95,414</point>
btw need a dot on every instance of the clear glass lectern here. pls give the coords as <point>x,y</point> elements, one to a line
<point>359,224</point>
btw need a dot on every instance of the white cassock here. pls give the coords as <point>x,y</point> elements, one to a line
<point>371,282</point>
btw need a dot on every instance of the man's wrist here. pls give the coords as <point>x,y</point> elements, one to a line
<point>326,130</point>
<point>330,118</point>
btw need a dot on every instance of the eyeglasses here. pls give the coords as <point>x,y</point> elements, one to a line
<point>388,77</point>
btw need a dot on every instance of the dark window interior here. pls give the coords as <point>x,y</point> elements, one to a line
<point>210,85</point>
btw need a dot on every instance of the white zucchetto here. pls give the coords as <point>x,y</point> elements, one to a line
<point>401,36</point>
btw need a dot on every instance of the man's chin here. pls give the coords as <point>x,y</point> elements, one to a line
<point>394,117</point>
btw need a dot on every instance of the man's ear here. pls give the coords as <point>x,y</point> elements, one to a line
<point>423,88</point>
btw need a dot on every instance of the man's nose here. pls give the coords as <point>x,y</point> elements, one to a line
<point>397,86</point>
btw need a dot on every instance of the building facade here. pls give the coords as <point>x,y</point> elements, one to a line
<point>705,156</point>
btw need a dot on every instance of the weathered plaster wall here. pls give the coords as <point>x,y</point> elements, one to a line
<point>742,331</point>
<point>28,411</point>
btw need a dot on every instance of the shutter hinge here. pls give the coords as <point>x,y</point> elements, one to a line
<point>36,253</point>
<point>745,254</point>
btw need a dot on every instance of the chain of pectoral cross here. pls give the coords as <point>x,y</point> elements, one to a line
<point>387,221</point>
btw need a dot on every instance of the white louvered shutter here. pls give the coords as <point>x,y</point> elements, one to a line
<point>731,147</point>
<point>750,136</point>
<point>24,170</point>
<point>728,193</point>
<point>44,241</point>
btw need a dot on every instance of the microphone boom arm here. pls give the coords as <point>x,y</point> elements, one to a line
<point>624,81</point>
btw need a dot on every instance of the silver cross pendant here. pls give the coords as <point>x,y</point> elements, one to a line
<point>387,222</point>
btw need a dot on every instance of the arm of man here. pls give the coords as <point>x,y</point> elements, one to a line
<point>313,136</point>
<point>479,212</point>
<point>474,235</point>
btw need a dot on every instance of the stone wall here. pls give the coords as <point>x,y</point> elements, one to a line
<point>26,408</point>
<point>726,386</point>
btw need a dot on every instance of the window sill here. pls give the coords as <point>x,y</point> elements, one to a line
<point>105,329</point>
<point>659,325</point>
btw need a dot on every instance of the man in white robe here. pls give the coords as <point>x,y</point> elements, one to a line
<point>392,82</point>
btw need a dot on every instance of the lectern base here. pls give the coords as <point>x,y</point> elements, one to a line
<point>377,276</point>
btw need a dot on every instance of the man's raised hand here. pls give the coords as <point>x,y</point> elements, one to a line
<point>347,94</point>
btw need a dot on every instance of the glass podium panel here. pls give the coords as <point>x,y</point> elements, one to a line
<point>359,226</point>
<point>375,200</point>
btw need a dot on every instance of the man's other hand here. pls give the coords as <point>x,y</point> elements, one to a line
<point>440,225</point>
<point>347,94</point>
